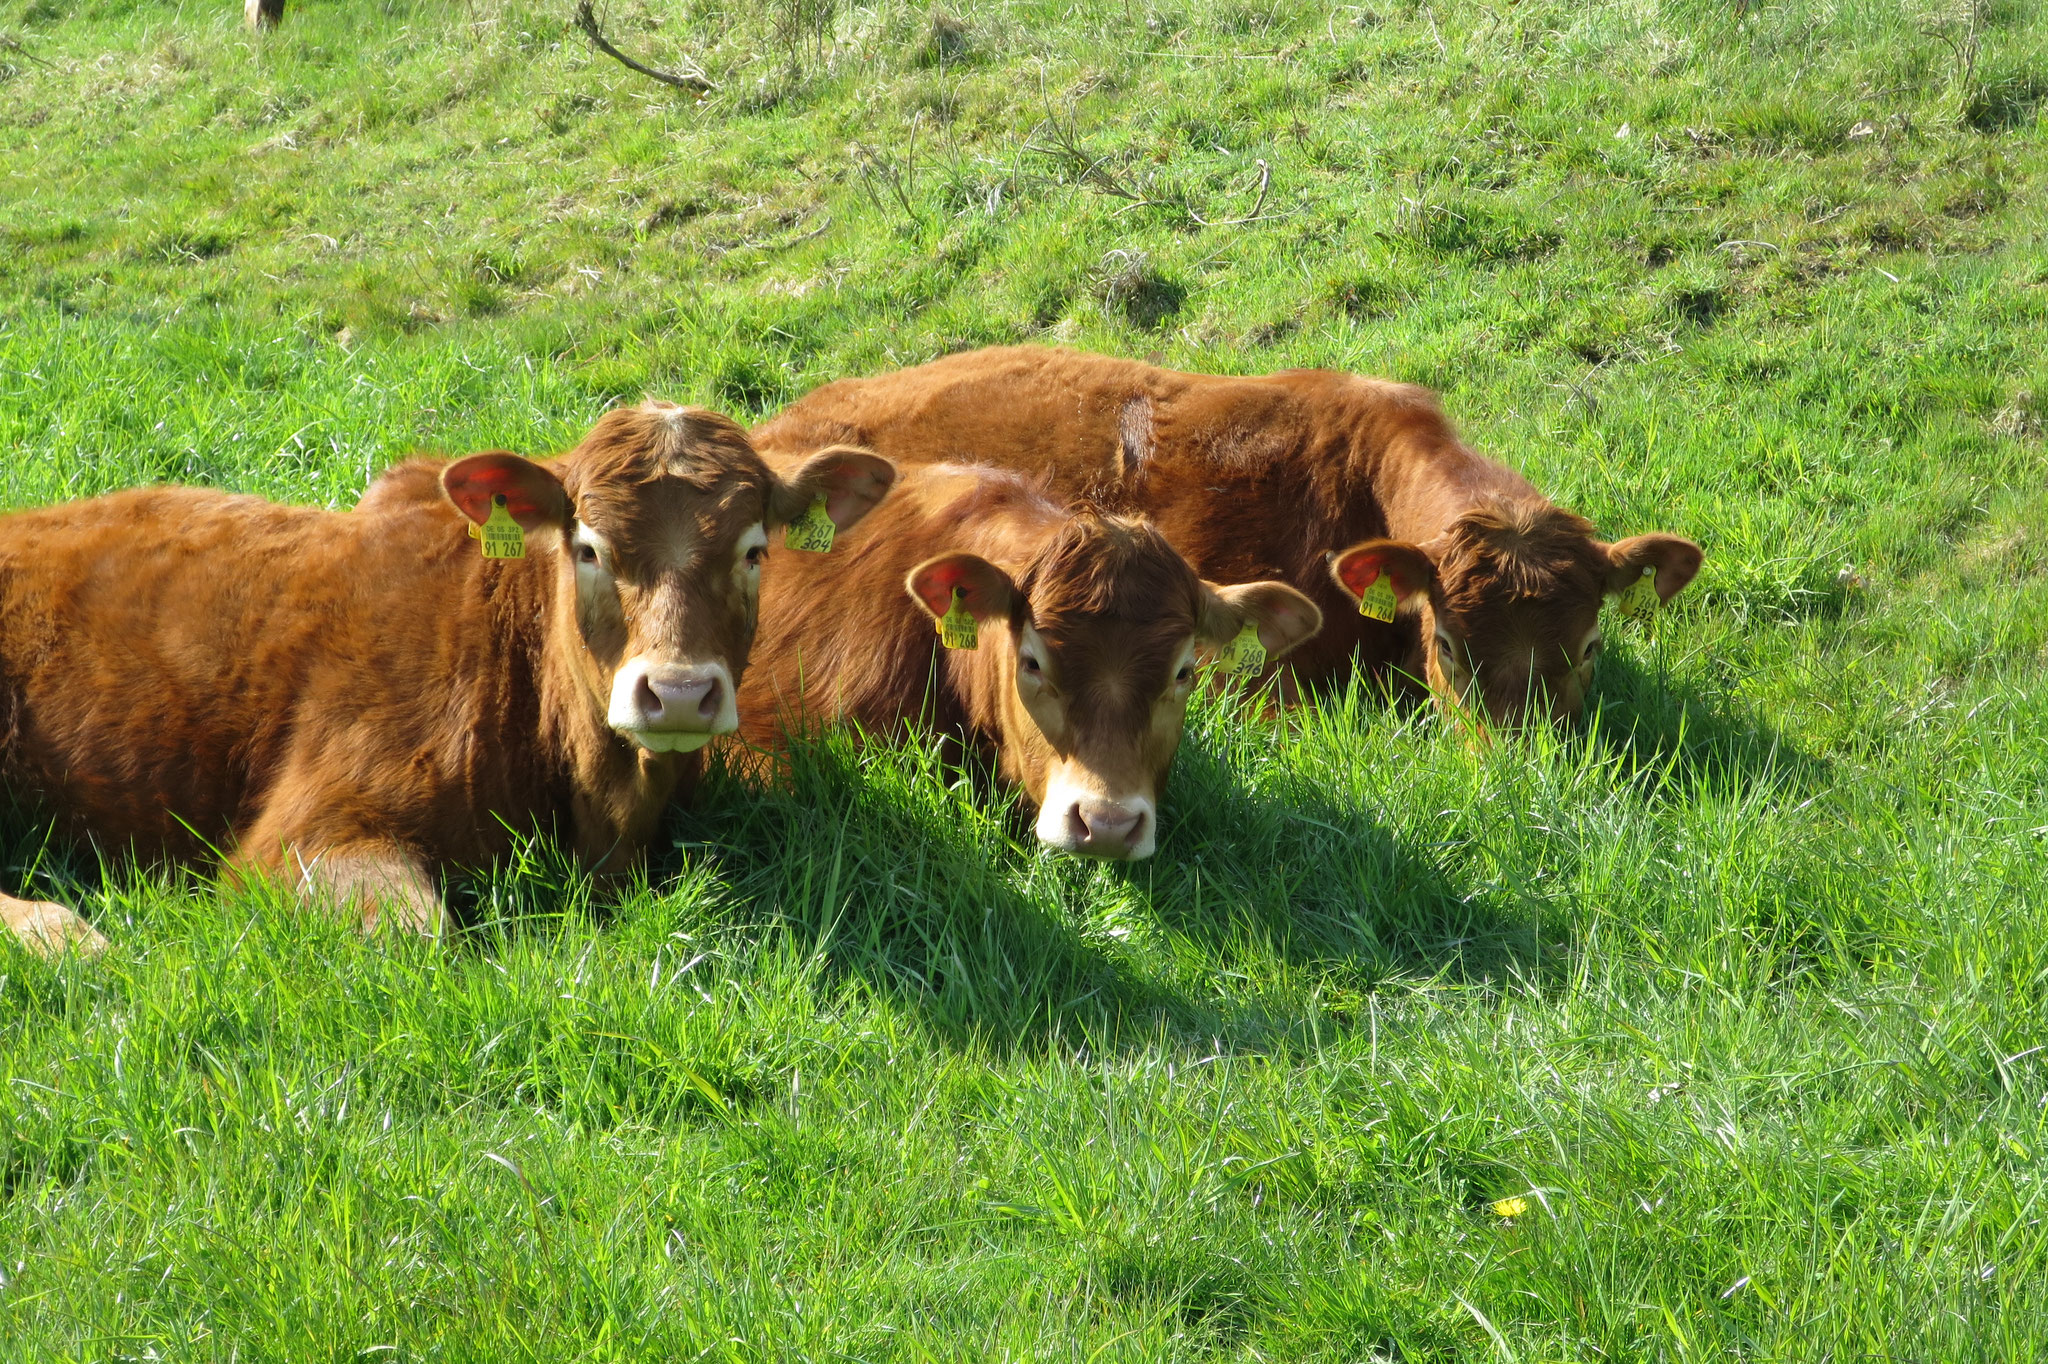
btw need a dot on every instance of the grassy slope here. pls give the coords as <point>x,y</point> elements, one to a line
<point>1741,991</point>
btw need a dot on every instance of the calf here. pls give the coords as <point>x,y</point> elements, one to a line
<point>1499,589</point>
<point>1085,633</point>
<point>357,702</point>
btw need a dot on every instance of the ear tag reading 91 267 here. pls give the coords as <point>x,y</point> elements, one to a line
<point>957,629</point>
<point>1243,656</point>
<point>500,533</point>
<point>812,531</point>
<point>1378,599</point>
<point>1639,600</point>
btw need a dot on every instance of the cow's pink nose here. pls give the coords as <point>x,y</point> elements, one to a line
<point>676,696</point>
<point>1105,828</point>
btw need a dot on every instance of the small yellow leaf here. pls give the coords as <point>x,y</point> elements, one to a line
<point>1509,1207</point>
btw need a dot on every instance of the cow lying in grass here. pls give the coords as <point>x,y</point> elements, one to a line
<point>1499,591</point>
<point>358,702</point>
<point>1085,633</point>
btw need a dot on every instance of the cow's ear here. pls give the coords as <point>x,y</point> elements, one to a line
<point>851,480</point>
<point>1406,566</point>
<point>985,590</point>
<point>1676,560</point>
<point>1285,617</point>
<point>533,495</point>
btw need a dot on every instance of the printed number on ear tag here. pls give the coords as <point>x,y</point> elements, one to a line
<point>812,531</point>
<point>1243,656</point>
<point>1639,600</point>
<point>1378,599</point>
<point>500,533</point>
<point>957,629</point>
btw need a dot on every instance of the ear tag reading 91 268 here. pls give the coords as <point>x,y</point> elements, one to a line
<point>812,531</point>
<point>1378,599</point>
<point>1639,600</point>
<point>500,533</point>
<point>957,629</point>
<point>1243,656</point>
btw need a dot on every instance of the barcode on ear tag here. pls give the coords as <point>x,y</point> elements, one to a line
<point>957,629</point>
<point>1378,599</point>
<point>1243,656</point>
<point>500,534</point>
<point>813,531</point>
<point>1639,600</point>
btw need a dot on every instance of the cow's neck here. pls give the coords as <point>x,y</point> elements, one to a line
<point>1425,479</point>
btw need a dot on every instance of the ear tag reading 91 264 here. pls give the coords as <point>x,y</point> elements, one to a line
<point>1243,656</point>
<point>812,531</point>
<point>500,533</point>
<point>1378,599</point>
<point>1639,600</point>
<point>957,629</point>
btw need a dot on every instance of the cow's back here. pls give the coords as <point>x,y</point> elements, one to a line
<point>1249,478</point>
<point>167,653</point>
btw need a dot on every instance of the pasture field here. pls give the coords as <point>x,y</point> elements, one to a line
<point>1736,1001</point>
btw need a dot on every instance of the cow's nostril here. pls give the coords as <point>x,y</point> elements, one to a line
<point>647,701</point>
<point>677,698</point>
<point>1077,825</point>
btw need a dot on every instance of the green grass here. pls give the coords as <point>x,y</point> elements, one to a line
<point>1744,989</point>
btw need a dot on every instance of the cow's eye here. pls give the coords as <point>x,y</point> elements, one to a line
<point>757,556</point>
<point>1592,651</point>
<point>586,553</point>
<point>1186,674</point>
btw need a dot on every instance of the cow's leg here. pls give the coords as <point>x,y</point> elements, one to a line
<point>50,929</point>
<point>379,884</point>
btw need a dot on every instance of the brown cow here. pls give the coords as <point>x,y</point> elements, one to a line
<point>358,702</point>
<point>1087,632</point>
<point>1259,478</point>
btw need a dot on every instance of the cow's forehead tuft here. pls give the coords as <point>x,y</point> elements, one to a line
<point>1523,550</point>
<point>1108,568</point>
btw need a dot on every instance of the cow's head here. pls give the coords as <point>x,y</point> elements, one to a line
<point>658,523</point>
<point>1090,653</point>
<point>1509,599</point>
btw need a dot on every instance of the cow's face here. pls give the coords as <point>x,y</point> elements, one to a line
<point>1509,603</point>
<point>1092,651</point>
<point>658,524</point>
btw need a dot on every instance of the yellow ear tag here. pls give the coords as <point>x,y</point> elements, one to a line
<point>1639,600</point>
<point>957,629</point>
<point>500,533</point>
<point>1243,656</point>
<point>812,531</point>
<point>1378,599</point>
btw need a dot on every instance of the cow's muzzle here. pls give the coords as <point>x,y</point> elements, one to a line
<point>672,707</point>
<point>1089,823</point>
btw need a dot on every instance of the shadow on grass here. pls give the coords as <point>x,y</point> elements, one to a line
<point>1275,868</point>
<point>913,875</point>
<point>900,868</point>
<point>1691,740</point>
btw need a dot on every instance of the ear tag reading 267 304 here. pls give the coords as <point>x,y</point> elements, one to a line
<point>1378,599</point>
<point>500,533</point>
<point>1639,600</point>
<point>957,629</point>
<point>812,531</point>
<point>1243,656</point>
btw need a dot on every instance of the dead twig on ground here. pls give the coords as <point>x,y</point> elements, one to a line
<point>1265,183</point>
<point>1084,166</point>
<point>694,81</point>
